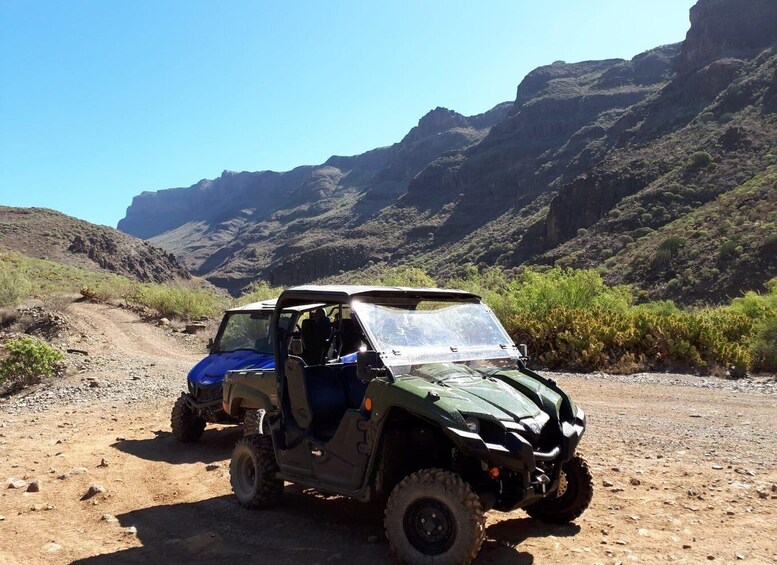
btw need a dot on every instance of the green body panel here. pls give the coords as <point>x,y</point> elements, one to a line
<point>534,388</point>
<point>250,390</point>
<point>511,398</point>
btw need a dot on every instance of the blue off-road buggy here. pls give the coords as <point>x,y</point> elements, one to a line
<point>242,342</point>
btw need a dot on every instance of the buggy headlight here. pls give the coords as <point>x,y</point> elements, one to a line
<point>473,424</point>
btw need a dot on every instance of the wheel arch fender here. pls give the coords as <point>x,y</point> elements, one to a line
<point>243,397</point>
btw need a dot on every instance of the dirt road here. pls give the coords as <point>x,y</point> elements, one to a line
<point>683,473</point>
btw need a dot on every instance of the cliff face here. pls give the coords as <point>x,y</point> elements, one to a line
<point>247,225</point>
<point>591,161</point>
<point>726,28</point>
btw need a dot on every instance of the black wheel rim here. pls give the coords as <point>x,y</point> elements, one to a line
<point>429,526</point>
<point>246,475</point>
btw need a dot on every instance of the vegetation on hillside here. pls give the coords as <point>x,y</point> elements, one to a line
<point>23,277</point>
<point>570,318</point>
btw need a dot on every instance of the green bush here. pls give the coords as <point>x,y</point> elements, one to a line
<point>27,360</point>
<point>699,160</point>
<point>727,249</point>
<point>533,291</point>
<point>587,340</point>
<point>673,244</point>
<point>658,307</point>
<point>763,349</point>
<point>662,258</point>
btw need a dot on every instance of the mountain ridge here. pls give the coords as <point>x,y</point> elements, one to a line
<point>513,186</point>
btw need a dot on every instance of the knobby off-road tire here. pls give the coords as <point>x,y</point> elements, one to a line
<point>256,422</point>
<point>572,498</point>
<point>185,424</point>
<point>252,472</point>
<point>251,422</point>
<point>433,516</point>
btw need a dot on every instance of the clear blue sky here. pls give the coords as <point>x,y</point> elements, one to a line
<point>101,100</point>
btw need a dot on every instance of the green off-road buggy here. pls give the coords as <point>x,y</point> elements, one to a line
<point>416,397</point>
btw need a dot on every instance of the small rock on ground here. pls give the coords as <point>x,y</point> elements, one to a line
<point>52,547</point>
<point>34,486</point>
<point>213,466</point>
<point>93,490</point>
<point>16,483</point>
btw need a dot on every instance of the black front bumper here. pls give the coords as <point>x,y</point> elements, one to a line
<point>206,401</point>
<point>539,471</point>
<point>517,453</point>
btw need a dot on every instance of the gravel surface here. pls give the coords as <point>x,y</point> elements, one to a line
<point>685,471</point>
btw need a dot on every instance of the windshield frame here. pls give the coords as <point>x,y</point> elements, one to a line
<point>216,349</point>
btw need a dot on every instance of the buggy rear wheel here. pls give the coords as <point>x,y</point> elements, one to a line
<point>256,422</point>
<point>252,472</point>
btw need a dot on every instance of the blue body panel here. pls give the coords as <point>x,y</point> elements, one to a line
<point>350,358</point>
<point>212,369</point>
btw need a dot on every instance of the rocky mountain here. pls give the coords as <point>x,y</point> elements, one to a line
<point>46,234</point>
<point>247,225</point>
<point>594,164</point>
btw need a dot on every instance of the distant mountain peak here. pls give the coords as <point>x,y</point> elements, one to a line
<point>722,28</point>
<point>435,121</point>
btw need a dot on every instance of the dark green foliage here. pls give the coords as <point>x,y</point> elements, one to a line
<point>673,244</point>
<point>764,347</point>
<point>571,319</point>
<point>26,361</point>
<point>699,160</point>
<point>727,249</point>
<point>662,258</point>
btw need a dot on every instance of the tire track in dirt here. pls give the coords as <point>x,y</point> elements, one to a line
<point>125,332</point>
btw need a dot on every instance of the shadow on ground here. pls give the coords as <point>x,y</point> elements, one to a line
<point>306,527</point>
<point>216,444</point>
<point>503,538</point>
<point>303,528</point>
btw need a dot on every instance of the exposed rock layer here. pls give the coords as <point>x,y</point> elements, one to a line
<point>533,181</point>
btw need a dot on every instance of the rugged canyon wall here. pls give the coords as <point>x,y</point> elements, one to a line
<point>591,165</point>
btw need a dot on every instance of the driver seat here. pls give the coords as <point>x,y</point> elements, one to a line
<point>317,397</point>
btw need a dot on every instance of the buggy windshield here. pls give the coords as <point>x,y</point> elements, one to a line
<point>434,332</point>
<point>245,330</point>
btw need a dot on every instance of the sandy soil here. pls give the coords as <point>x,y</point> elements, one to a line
<point>678,471</point>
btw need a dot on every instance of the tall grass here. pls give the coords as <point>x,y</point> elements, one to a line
<point>179,300</point>
<point>259,292</point>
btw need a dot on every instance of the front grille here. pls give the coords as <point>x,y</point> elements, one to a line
<point>210,393</point>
